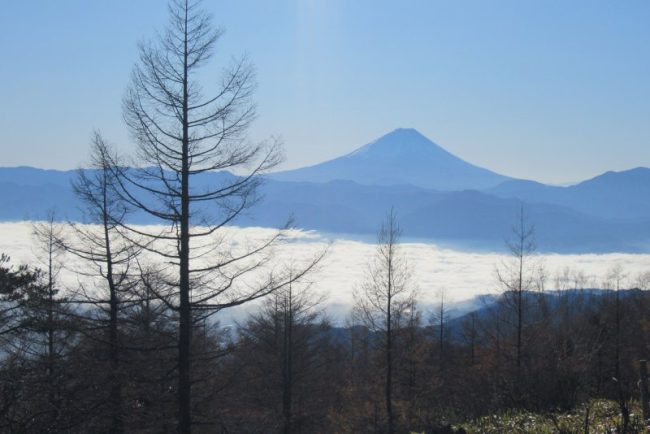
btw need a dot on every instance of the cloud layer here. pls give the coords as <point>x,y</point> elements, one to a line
<point>461,274</point>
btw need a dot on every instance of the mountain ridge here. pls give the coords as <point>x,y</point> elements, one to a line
<point>609,212</point>
<point>619,195</point>
<point>470,218</point>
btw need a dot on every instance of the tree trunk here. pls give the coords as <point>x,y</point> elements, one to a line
<point>389,367</point>
<point>288,364</point>
<point>115,399</point>
<point>185,326</point>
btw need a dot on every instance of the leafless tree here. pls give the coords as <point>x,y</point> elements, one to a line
<point>615,280</point>
<point>384,302</point>
<point>643,280</point>
<point>186,142</point>
<point>518,276</point>
<point>470,334</point>
<point>105,256</point>
<point>283,345</point>
<point>46,233</point>
<point>47,334</point>
<point>439,319</point>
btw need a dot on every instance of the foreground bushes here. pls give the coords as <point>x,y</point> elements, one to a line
<point>594,417</point>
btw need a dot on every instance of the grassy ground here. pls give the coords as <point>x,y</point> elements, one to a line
<point>596,417</point>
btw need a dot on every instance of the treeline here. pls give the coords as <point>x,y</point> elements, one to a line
<point>287,369</point>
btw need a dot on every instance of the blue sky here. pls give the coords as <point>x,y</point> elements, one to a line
<point>555,91</point>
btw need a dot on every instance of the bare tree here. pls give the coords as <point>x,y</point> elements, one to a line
<point>518,275</point>
<point>186,143</point>
<point>46,234</point>
<point>643,280</point>
<point>282,353</point>
<point>106,255</point>
<point>470,334</point>
<point>47,334</point>
<point>615,279</point>
<point>438,320</point>
<point>384,302</point>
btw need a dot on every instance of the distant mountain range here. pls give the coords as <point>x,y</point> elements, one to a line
<point>612,195</point>
<point>438,197</point>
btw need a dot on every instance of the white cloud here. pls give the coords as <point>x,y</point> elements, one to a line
<point>462,275</point>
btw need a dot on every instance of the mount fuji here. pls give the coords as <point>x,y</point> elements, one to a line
<point>437,195</point>
<point>403,156</point>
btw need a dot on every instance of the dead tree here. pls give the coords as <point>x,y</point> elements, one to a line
<point>46,234</point>
<point>47,333</point>
<point>189,144</point>
<point>615,280</point>
<point>517,275</point>
<point>282,352</point>
<point>105,256</point>
<point>438,320</point>
<point>382,302</point>
<point>470,334</point>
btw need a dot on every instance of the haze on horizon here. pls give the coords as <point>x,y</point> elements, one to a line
<point>553,91</point>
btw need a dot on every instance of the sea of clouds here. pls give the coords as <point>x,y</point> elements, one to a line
<point>461,275</point>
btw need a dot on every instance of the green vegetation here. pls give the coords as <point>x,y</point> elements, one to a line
<point>594,417</point>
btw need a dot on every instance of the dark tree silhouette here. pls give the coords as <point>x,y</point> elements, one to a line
<point>384,302</point>
<point>282,356</point>
<point>518,275</point>
<point>106,256</point>
<point>184,137</point>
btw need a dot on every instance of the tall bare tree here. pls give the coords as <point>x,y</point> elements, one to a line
<point>106,256</point>
<point>184,137</point>
<point>518,275</point>
<point>615,281</point>
<point>439,319</point>
<point>282,355</point>
<point>46,233</point>
<point>383,303</point>
<point>47,333</point>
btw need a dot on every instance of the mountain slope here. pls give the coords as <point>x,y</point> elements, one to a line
<point>467,218</point>
<point>613,195</point>
<point>25,175</point>
<point>403,156</point>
